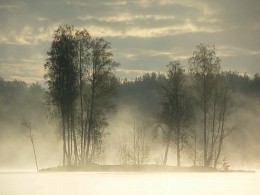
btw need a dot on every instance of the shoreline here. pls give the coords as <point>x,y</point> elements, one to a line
<point>140,168</point>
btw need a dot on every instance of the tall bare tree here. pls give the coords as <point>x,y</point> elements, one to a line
<point>204,65</point>
<point>224,110</point>
<point>26,124</point>
<point>176,110</point>
<point>101,86</point>
<point>84,45</point>
<point>61,75</point>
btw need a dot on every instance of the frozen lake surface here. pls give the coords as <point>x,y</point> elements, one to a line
<point>129,183</point>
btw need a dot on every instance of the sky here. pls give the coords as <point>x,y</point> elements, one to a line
<point>145,35</point>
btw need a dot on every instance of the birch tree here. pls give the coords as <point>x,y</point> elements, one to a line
<point>176,109</point>
<point>101,86</point>
<point>61,75</point>
<point>204,66</point>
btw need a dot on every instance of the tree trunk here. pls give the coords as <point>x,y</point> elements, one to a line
<point>27,125</point>
<point>35,158</point>
<point>167,148</point>
<point>65,154</point>
<point>81,104</point>
<point>68,131</point>
<point>91,108</point>
<point>178,122</point>
<point>220,145</point>
<point>213,136</point>
<point>195,148</point>
<point>221,134</point>
<point>89,128</point>
<point>178,149</point>
<point>64,142</point>
<point>74,141</point>
<point>134,145</point>
<point>205,122</point>
<point>85,140</point>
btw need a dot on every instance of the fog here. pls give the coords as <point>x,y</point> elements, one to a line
<point>242,146</point>
<point>136,106</point>
<point>19,102</point>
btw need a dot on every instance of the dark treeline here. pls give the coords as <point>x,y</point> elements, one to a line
<point>20,100</point>
<point>185,110</point>
<point>144,93</point>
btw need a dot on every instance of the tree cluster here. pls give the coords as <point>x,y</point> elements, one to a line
<point>18,101</point>
<point>194,106</point>
<point>81,82</point>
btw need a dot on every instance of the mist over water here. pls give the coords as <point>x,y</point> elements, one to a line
<point>129,183</point>
<point>136,106</point>
<point>242,145</point>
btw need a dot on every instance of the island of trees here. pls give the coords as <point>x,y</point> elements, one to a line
<point>186,110</point>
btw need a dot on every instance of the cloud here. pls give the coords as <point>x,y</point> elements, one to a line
<point>126,18</point>
<point>135,54</point>
<point>28,35</point>
<point>187,27</point>
<point>227,51</point>
<point>26,71</point>
<point>144,34</point>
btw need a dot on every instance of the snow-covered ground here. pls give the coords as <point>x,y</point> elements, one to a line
<point>129,183</point>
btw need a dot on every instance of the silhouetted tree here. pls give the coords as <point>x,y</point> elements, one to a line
<point>80,83</point>
<point>204,65</point>
<point>213,96</point>
<point>101,84</point>
<point>83,58</point>
<point>224,109</point>
<point>62,77</point>
<point>26,124</point>
<point>176,111</point>
<point>255,85</point>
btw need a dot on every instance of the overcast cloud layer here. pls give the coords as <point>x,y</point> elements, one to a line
<point>145,35</point>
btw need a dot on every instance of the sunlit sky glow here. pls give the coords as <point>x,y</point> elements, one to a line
<point>145,35</point>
